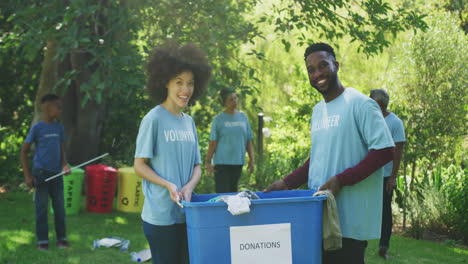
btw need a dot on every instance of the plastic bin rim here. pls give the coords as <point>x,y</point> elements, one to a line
<point>127,169</point>
<point>100,167</point>
<point>260,201</point>
<point>76,170</point>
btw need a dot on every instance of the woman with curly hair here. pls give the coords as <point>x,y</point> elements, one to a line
<point>230,137</point>
<point>167,155</point>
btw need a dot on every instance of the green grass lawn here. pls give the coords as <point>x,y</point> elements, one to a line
<point>18,240</point>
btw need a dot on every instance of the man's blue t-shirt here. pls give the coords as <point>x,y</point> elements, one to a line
<point>343,131</point>
<point>170,143</point>
<point>232,132</point>
<point>395,125</point>
<point>48,139</point>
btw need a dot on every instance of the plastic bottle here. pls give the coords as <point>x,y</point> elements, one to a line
<point>135,257</point>
<point>125,244</point>
<point>96,243</point>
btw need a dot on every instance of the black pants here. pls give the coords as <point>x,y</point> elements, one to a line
<point>227,177</point>
<point>352,252</point>
<point>386,217</point>
<point>168,244</point>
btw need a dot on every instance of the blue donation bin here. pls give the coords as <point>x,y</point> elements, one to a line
<point>282,227</point>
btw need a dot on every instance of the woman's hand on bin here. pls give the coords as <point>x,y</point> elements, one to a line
<point>186,193</point>
<point>276,186</point>
<point>173,191</point>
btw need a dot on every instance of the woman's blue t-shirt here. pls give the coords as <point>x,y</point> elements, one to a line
<point>171,145</point>
<point>232,132</point>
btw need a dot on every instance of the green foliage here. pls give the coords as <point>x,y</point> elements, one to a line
<point>10,148</point>
<point>18,83</point>
<point>456,189</point>
<point>368,22</point>
<point>430,81</point>
<point>101,32</point>
<point>459,8</point>
<point>427,209</point>
<point>437,199</point>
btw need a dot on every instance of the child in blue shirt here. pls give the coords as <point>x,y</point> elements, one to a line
<point>49,159</point>
<point>167,155</point>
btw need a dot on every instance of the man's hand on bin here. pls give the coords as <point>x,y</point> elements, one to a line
<point>276,186</point>
<point>333,185</point>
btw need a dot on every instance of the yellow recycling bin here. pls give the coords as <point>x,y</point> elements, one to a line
<point>130,195</point>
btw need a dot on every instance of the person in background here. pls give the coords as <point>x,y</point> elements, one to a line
<point>349,144</point>
<point>48,136</point>
<point>390,169</point>
<point>230,137</point>
<point>167,154</point>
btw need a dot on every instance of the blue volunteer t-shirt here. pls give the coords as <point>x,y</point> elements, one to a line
<point>343,131</point>
<point>48,139</point>
<point>171,145</point>
<point>395,125</point>
<point>232,132</point>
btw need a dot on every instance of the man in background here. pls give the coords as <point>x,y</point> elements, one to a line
<point>395,125</point>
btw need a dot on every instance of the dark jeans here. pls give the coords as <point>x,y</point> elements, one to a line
<point>227,177</point>
<point>168,244</point>
<point>54,189</point>
<point>352,252</point>
<point>386,217</point>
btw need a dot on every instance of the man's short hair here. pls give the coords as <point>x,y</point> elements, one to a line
<point>319,47</point>
<point>380,95</point>
<point>49,98</point>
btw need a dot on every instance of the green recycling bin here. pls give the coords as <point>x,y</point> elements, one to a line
<point>72,186</point>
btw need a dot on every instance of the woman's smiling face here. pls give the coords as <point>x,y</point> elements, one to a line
<point>180,89</point>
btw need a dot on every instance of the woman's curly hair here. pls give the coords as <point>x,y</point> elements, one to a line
<point>168,61</point>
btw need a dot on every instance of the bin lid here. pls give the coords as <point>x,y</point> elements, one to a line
<point>100,167</point>
<point>76,170</point>
<point>127,170</point>
<point>274,197</point>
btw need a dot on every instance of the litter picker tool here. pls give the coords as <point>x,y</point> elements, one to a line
<point>178,202</point>
<point>82,164</point>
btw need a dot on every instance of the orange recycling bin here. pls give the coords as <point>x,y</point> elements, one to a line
<point>101,181</point>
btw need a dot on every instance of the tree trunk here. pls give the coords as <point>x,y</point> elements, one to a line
<point>48,78</point>
<point>413,172</point>
<point>83,125</point>
<point>405,197</point>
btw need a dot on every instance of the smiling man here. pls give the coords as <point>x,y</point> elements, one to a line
<point>349,144</point>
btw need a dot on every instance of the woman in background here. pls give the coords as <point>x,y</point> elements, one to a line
<point>230,137</point>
